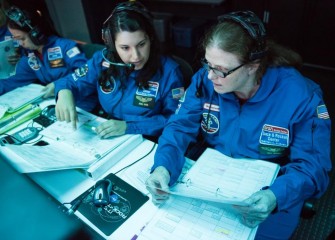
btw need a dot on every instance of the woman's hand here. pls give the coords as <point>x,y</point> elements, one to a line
<point>111,128</point>
<point>259,207</point>
<point>49,90</point>
<point>65,108</point>
<point>157,183</point>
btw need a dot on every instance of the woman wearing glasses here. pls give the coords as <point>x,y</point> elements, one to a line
<point>249,101</point>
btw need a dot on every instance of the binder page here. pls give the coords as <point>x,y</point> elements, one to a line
<point>194,219</point>
<point>22,95</point>
<point>217,177</point>
<point>54,156</point>
<point>84,137</point>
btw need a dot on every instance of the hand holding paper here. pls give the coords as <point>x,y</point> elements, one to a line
<point>157,185</point>
<point>258,207</point>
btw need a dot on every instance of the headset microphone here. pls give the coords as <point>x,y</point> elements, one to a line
<point>127,65</point>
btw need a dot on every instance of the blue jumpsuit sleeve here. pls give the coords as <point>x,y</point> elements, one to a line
<point>24,75</point>
<point>306,175</point>
<point>73,58</point>
<point>182,128</point>
<point>153,125</point>
<point>83,79</point>
<point>75,61</point>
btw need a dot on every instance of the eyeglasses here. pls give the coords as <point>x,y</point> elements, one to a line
<point>218,72</point>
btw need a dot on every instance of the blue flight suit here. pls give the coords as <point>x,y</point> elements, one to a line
<point>146,111</point>
<point>285,122</point>
<point>4,33</point>
<point>60,57</point>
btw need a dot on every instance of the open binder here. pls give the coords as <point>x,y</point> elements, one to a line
<point>219,178</point>
<point>66,148</point>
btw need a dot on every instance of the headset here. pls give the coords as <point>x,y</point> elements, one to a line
<point>254,26</point>
<point>131,6</point>
<point>16,15</point>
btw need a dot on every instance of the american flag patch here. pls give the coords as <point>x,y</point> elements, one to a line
<point>322,112</point>
<point>73,52</point>
<point>178,93</point>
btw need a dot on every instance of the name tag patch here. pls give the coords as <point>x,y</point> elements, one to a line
<point>274,136</point>
<point>146,97</point>
<point>55,57</point>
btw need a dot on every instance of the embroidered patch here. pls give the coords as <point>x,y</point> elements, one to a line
<point>322,112</point>
<point>80,72</point>
<point>34,62</point>
<point>55,57</point>
<point>178,93</point>
<point>271,150</point>
<point>73,52</point>
<point>210,123</point>
<point>105,64</point>
<point>274,136</point>
<point>110,86</point>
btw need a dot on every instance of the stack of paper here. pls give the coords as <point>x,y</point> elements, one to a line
<point>19,98</point>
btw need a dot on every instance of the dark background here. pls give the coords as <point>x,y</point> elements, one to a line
<point>307,26</point>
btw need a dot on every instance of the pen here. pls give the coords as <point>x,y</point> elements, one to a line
<point>136,235</point>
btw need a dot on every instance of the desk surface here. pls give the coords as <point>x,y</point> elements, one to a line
<point>66,185</point>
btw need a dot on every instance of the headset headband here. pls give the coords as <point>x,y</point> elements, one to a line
<point>16,15</point>
<point>254,26</point>
<point>131,6</point>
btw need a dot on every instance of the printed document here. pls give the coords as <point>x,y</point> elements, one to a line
<point>219,178</point>
<point>20,97</point>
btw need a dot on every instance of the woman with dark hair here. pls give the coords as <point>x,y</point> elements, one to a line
<point>47,58</point>
<point>137,87</point>
<point>249,101</point>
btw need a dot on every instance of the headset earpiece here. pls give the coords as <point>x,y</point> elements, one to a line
<point>16,15</point>
<point>254,26</point>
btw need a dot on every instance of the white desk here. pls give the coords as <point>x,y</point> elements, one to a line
<point>66,185</point>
